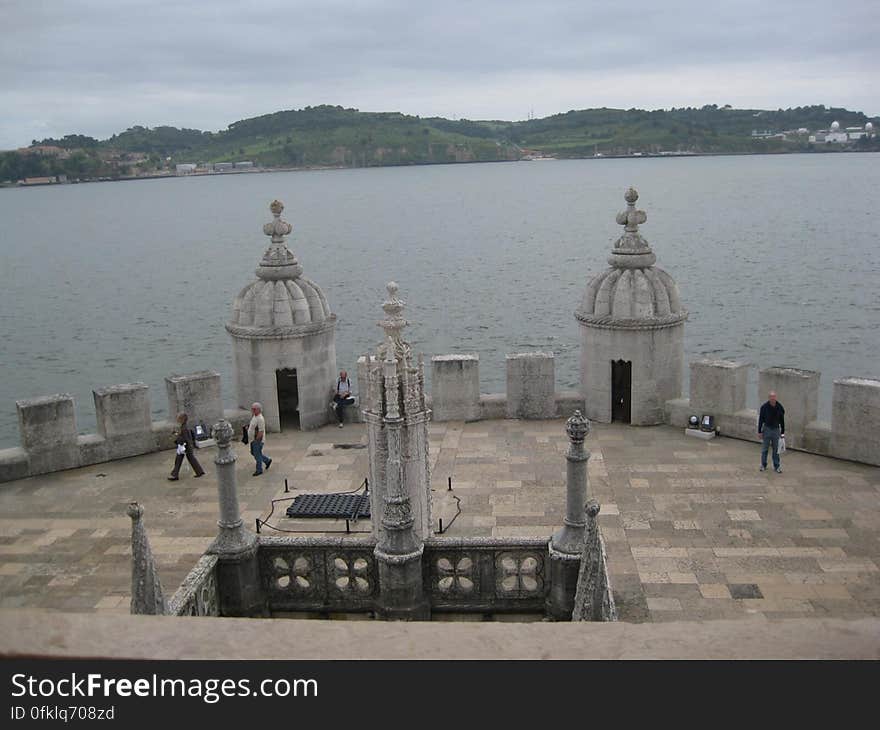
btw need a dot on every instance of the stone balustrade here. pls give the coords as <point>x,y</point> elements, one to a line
<point>198,594</point>
<point>465,575</point>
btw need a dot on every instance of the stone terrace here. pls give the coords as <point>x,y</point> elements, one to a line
<point>693,530</point>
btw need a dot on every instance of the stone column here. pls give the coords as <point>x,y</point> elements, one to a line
<point>399,552</point>
<point>238,574</point>
<point>566,545</point>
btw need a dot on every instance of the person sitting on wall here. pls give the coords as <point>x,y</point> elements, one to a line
<point>185,447</point>
<point>342,396</point>
<point>257,438</point>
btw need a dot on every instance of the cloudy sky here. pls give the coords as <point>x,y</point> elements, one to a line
<point>99,66</point>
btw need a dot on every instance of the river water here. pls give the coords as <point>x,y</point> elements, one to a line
<point>776,258</point>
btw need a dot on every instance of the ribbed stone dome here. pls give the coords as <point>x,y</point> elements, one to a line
<point>633,292</point>
<point>281,301</point>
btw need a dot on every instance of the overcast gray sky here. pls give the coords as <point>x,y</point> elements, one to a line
<point>99,66</point>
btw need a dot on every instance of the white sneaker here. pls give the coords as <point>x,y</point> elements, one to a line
<point>340,425</point>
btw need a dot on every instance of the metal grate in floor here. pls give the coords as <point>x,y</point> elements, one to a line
<point>347,506</point>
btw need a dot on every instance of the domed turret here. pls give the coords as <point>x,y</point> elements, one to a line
<point>869,127</point>
<point>633,291</point>
<point>281,300</point>
<point>835,126</point>
<point>283,338</point>
<point>632,325</point>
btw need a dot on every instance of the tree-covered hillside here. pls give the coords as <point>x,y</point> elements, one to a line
<point>334,136</point>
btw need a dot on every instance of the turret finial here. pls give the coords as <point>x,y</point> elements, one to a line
<point>278,228</point>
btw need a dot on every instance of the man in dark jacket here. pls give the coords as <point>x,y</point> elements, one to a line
<point>771,425</point>
<point>185,447</point>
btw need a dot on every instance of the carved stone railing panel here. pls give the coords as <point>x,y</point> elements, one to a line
<point>197,595</point>
<point>318,574</point>
<point>486,574</point>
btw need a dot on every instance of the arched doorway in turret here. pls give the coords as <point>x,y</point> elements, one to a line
<point>621,391</point>
<point>288,398</point>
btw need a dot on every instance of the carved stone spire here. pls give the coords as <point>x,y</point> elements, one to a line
<point>393,325</point>
<point>400,491</point>
<point>631,250</point>
<point>278,262</point>
<point>146,588</point>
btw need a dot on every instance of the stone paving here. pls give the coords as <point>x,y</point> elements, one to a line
<point>693,530</point>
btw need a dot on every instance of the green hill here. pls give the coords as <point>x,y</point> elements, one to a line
<point>334,136</point>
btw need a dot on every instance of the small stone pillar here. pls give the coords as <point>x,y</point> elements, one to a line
<point>566,545</point>
<point>147,596</point>
<point>124,421</point>
<point>197,395</point>
<point>855,420</point>
<point>798,391</point>
<point>718,386</point>
<point>48,433</point>
<point>531,385</point>
<point>238,574</point>
<point>455,387</point>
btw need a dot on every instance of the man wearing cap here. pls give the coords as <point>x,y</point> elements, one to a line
<point>257,437</point>
<point>771,425</point>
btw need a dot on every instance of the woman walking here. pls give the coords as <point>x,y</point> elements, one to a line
<point>185,447</point>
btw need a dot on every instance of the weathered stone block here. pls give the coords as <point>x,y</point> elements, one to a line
<point>197,395</point>
<point>798,391</point>
<point>13,464</point>
<point>455,386</point>
<point>163,434</point>
<point>569,401</point>
<point>741,425</point>
<point>531,385</point>
<point>493,406</point>
<point>678,410</point>
<point>93,449</point>
<point>123,416</point>
<point>817,438</point>
<point>855,420</point>
<point>48,433</point>
<point>718,386</point>
<point>363,383</point>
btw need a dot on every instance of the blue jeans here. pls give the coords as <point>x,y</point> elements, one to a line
<point>340,406</point>
<point>771,438</point>
<point>257,453</point>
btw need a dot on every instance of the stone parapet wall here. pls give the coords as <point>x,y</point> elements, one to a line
<point>461,575</point>
<point>50,442</point>
<point>198,595</point>
<point>49,436</point>
<point>719,388</point>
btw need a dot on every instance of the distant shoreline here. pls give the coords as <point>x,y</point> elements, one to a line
<point>311,168</point>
